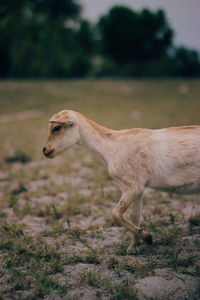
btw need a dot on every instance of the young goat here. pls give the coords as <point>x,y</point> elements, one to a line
<point>165,159</point>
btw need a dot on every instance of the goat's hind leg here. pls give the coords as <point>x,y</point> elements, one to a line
<point>126,200</point>
<point>135,216</point>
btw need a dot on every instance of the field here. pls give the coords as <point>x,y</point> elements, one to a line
<point>57,238</point>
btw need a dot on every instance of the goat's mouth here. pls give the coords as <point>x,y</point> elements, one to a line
<point>50,154</point>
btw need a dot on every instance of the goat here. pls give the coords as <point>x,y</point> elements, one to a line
<point>164,159</point>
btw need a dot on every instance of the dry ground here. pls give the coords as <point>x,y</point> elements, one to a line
<point>57,239</point>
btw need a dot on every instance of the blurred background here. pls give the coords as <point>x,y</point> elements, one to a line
<point>71,38</point>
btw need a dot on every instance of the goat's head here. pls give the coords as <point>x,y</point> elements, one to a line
<point>63,133</point>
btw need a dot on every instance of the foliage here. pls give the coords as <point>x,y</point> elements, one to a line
<point>139,43</point>
<point>40,38</point>
<point>130,36</point>
<point>185,62</point>
<point>44,38</point>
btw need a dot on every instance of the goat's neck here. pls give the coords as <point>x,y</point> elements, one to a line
<point>95,137</point>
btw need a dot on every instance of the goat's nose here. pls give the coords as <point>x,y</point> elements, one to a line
<point>44,149</point>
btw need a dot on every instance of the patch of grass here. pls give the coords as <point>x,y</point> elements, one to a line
<point>9,234</point>
<point>39,285</point>
<point>19,189</point>
<point>164,256</point>
<point>128,267</point>
<point>112,263</point>
<point>19,280</point>
<point>46,284</point>
<point>73,259</point>
<point>76,232</point>
<point>6,245</point>
<point>54,233</point>
<point>49,210</point>
<point>194,221</point>
<point>92,257</point>
<point>120,249</point>
<point>56,213</point>
<point>11,230</point>
<point>3,215</point>
<point>187,261</point>
<point>88,257</point>
<point>172,218</point>
<point>122,291</point>
<point>118,266</point>
<point>13,199</point>
<point>164,253</point>
<point>30,262</point>
<point>91,278</point>
<point>148,268</point>
<point>26,252</point>
<point>53,212</point>
<point>73,206</point>
<point>169,236</point>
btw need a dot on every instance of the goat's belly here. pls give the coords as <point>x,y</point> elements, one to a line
<point>176,186</point>
<point>187,188</point>
<point>185,180</point>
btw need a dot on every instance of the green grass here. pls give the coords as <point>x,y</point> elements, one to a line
<point>30,262</point>
<point>48,229</point>
<point>91,278</point>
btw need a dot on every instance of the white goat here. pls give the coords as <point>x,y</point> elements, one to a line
<point>165,159</point>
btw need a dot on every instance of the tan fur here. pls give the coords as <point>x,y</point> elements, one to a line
<point>165,159</point>
<point>184,127</point>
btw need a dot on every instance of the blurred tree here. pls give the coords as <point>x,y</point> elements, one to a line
<point>57,11</point>
<point>55,15</point>
<point>185,62</point>
<point>43,38</point>
<point>11,24</point>
<point>134,38</point>
<point>48,38</point>
<point>84,49</point>
<point>115,28</point>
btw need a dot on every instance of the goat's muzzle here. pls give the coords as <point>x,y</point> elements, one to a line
<point>48,153</point>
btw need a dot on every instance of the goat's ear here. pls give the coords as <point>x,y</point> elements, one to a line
<point>68,123</point>
<point>59,122</point>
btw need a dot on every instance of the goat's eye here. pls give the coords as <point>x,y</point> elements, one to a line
<point>56,128</point>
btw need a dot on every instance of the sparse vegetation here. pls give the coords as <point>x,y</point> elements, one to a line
<point>56,233</point>
<point>195,221</point>
<point>123,291</point>
<point>91,278</point>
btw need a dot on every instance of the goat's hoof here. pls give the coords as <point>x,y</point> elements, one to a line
<point>147,237</point>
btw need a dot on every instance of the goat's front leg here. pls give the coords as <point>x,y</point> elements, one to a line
<point>117,213</point>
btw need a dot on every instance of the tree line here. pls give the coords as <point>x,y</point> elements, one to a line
<point>49,38</point>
